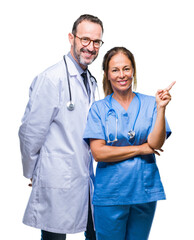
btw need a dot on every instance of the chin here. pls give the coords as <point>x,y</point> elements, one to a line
<point>87,62</point>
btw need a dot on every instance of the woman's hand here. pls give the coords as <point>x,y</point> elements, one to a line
<point>157,137</point>
<point>145,149</point>
<point>163,97</point>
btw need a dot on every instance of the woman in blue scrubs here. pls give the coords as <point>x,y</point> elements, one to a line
<point>125,130</point>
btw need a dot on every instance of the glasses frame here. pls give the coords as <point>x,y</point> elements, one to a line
<point>89,41</point>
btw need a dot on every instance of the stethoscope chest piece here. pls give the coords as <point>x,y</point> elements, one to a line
<point>131,134</point>
<point>70,106</point>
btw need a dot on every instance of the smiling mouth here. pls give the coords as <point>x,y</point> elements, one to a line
<point>123,82</point>
<point>87,52</point>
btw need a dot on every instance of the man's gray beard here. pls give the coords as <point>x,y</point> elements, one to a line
<point>80,59</point>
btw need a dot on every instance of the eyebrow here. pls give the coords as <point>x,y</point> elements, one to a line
<point>122,67</point>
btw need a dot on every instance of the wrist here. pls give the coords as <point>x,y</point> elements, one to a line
<point>161,108</point>
<point>139,149</point>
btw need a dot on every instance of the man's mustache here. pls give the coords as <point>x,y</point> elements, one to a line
<point>88,51</point>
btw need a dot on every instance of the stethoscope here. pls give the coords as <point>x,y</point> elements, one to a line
<point>112,111</point>
<point>70,103</point>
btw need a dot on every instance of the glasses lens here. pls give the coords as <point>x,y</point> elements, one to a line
<point>85,41</point>
<point>97,43</point>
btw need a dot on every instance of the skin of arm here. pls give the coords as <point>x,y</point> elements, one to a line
<point>104,153</point>
<point>157,137</point>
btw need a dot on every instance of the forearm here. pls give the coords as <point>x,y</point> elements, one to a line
<point>104,153</point>
<point>157,137</point>
<point>114,154</point>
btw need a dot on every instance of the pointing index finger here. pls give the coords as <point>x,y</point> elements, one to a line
<point>170,86</point>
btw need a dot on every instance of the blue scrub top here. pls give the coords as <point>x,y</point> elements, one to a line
<point>135,180</point>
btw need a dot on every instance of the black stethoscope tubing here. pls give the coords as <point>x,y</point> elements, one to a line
<point>70,104</point>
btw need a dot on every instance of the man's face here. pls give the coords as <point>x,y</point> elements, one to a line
<point>85,55</point>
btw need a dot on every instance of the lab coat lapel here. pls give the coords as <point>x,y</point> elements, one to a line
<point>74,72</point>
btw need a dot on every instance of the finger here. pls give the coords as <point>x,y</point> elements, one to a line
<point>160,91</point>
<point>156,152</point>
<point>170,86</point>
<point>165,96</point>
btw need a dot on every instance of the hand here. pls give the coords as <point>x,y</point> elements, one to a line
<point>30,184</point>
<point>146,149</point>
<point>163,97</point>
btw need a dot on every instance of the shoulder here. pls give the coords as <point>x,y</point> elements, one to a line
<point>146,99</point>
<point>147,103</point>
<point>55,72</point>
<point>99,107</point>
<point>52,76</point>
<point>101,104</point>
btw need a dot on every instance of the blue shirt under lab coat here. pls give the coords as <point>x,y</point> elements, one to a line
<point>135,180</point>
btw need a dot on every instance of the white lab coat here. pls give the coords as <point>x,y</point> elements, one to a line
<point>54,153</point>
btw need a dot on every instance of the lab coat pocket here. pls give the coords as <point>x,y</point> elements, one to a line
<point>55,171</point>
<point>152,182</point>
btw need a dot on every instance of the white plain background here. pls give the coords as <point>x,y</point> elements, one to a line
<point>34,36</point>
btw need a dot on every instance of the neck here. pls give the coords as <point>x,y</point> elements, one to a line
<point>124,98</point>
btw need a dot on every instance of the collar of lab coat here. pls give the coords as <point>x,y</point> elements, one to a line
<point>73,71</point>
<point>80,70</point>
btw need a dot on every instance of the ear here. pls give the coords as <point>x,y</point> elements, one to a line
<point>71,38</point>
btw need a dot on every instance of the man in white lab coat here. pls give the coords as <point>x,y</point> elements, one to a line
<point>54,155</point>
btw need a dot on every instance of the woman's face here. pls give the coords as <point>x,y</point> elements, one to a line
<point>120,73</point>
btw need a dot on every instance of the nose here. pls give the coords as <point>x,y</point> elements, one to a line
<point>121,74</point>
<point>91,46</point>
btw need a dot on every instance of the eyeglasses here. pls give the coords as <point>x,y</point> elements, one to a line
<point>85,41</point>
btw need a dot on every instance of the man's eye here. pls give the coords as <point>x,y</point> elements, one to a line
<point>85,39</point>
<point>97,41</point>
